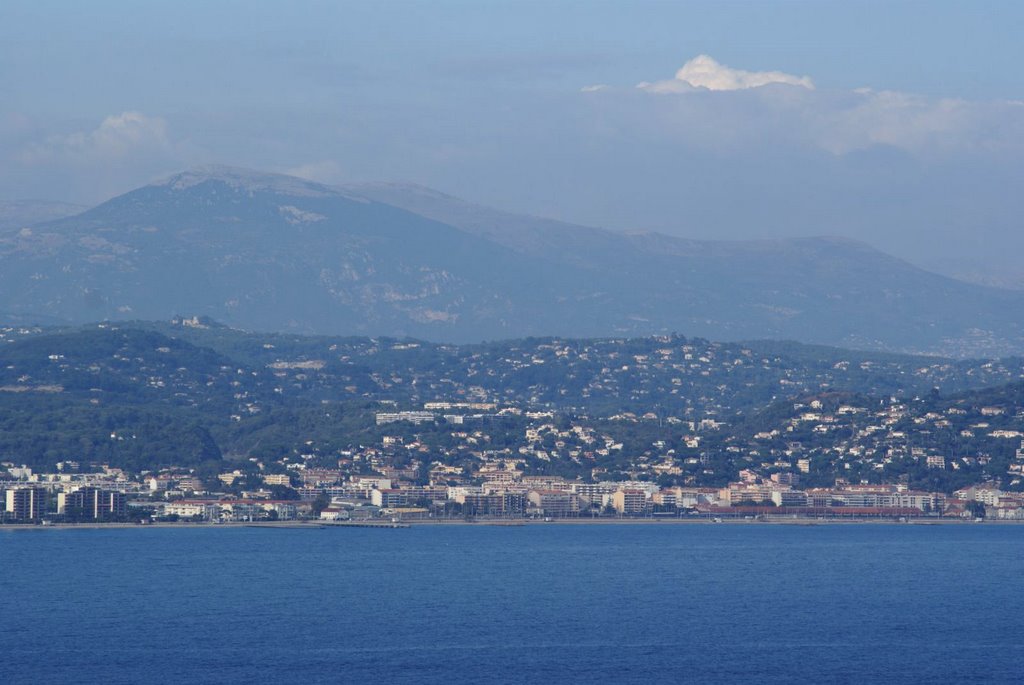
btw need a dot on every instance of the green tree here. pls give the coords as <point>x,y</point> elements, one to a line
<point>321,502</point>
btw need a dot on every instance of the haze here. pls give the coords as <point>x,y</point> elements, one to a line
<point>901,125</point>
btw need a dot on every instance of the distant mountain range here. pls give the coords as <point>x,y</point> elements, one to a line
<point>277,253</point>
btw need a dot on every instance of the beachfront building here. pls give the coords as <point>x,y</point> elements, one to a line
<point>193,509</point>
<point>629,502</point>
<point>554,503</point>
<point>93,503</point>
<point>25,503</point>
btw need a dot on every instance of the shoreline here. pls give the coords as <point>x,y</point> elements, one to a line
<point>502,523</point>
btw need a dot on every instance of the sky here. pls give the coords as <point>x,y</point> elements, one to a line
<point>900,124</point>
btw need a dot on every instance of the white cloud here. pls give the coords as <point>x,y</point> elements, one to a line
<point>120,152</point>
<point>125,132</point>
<point>594,88</point>
<point>704,72</point>
<point>713,107</point>
<point>119,137</point>
<point>842,122</point>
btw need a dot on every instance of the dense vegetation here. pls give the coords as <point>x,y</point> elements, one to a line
<point>146,395</point>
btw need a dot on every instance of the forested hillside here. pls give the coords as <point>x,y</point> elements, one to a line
<point>192,392</point>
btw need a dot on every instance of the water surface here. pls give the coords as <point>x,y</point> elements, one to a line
<point>608,603</point>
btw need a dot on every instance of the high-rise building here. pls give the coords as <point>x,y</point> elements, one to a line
<point>93,503</point>
<point>25,504</point>
<point>112,504</point>
<point>629,502</point>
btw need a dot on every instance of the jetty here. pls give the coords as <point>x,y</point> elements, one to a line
<point>364,524</point>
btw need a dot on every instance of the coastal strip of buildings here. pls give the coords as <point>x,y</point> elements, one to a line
<point>499,491</point>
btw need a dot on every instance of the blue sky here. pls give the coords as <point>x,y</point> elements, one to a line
<point>910,139</point>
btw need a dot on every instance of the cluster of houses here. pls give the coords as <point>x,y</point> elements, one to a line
<point>861,439</point>
<point>501,490</point>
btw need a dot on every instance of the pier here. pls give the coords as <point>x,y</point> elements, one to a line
<point>363,524</point>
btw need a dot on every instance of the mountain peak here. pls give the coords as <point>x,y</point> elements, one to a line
<point>249,180</point>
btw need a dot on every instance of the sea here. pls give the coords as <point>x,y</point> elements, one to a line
<point>703,603</point>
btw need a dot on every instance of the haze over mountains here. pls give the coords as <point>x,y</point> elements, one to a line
<point>278,253</point>
<point>20,213</point>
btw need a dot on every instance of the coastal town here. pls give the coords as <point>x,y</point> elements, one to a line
<point>396,481</point>
<point>191,421</point>
<point>499,494</point>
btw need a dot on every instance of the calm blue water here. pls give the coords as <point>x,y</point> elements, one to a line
<point>725,603</point>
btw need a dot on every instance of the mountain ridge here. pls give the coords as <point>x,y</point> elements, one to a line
<point>274,252</point>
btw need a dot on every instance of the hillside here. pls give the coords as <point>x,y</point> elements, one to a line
<point>190,393</point>
<point>269,252</point>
